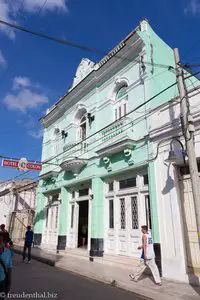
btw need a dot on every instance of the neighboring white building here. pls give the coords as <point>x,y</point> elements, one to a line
<point>17,206</point>
<point>176,213</point>
<point>7,202</point>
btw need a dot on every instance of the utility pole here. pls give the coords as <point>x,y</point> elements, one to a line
<point>188,132</point>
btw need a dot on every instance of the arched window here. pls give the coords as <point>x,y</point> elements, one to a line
<point>80,119</point>
<point>121,102</point>
<point>121,92</point>
<point>82,128</point>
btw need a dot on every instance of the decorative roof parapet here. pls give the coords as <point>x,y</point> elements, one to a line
<point>85,67</point>
<point>110,54</point>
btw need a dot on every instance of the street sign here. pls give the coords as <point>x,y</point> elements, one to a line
<point>22,164</point>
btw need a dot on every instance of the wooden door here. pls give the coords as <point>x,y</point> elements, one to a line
<point>189,221</point>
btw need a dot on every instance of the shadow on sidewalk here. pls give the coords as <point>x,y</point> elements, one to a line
<point>41,255</point>
<point>194,282</point>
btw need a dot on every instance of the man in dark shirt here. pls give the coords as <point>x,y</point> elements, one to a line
<point>6,234</point>
<point>28,243</point>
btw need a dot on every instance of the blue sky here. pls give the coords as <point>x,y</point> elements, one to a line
<point>34,72</point>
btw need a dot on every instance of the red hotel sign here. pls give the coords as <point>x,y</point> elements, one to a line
<point>21,164</point>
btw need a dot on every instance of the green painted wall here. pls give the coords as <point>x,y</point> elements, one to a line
<point>63,212</point>
<point>97,220</point>
<point>159,77</point>
<point>40,212</point>
<point>97,100</point>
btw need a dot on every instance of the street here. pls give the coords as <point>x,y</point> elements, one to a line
<point>44,281</point>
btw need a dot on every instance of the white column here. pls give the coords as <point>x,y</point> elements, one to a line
<point>170,220</point>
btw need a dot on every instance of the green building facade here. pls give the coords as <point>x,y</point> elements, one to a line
<point>97,186</point>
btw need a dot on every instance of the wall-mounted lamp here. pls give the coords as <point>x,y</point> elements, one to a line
<point>90,118</point>
<point>173,158</point>
<point>64,134</point>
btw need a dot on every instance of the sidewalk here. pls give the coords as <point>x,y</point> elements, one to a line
<point>116,276</point>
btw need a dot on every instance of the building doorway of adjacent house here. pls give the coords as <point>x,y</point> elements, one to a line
<point>83,224</point>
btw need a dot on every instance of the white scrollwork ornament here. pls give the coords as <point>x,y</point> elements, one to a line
<point>84,68</point>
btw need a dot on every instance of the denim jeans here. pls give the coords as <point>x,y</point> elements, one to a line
<point>29,252</point>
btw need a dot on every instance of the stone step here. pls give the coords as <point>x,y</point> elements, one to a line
<point>119,260</point>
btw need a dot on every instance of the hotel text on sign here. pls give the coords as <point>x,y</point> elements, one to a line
<point>22,164</point>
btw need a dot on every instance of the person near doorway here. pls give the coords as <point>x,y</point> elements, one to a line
<point>28,243</point>
<point>147,257</point>
<point>5,267</point>
<point>84,231</point>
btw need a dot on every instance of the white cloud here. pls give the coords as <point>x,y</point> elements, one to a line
<point>2,60</point>
<point>9,11</point>
<point>49,5</point>
<point>36,134</point>
<point>25,100</point>
<point>193,7</point>
<point>6,15</point>
<point>21,82</point>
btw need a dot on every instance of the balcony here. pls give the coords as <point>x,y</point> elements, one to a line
<point>73,165</point>
<point>72,149</point>
<point>118,131</point>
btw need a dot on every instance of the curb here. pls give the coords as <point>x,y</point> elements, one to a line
<point>112,283</point>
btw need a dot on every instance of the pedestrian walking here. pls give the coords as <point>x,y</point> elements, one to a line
<point>28,243</point>
<point>5,267</point>
<point>147,258</point>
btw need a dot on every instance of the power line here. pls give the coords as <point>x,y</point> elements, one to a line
<point>134,123</point>
<point>138,107</point>
<point>75,45</point>
<point>112,123</point>
<point>46,162</point>
<point>91,148</point>
<point>13,178</point>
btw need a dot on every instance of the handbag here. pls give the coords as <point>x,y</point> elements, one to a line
<point>6,281</point>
